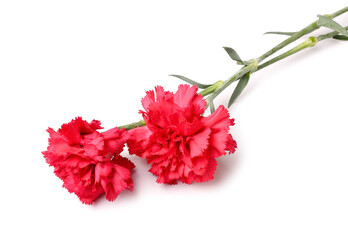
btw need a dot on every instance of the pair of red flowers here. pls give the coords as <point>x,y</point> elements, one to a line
<point>177,140</point>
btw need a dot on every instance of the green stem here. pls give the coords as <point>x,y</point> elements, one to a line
<point>310,42</point>
<point>133,125</point>
<point>339,12</point>
<point>310,28</point>
<point>252,66</point>
<point>329,35</point>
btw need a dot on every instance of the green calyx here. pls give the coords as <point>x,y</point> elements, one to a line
<point>211,88</point>
<point>312,41</point>
<point>133,125</point>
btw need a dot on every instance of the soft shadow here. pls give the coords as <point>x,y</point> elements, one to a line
<point>227,165</point>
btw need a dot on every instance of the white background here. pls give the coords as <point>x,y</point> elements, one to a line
<point>95,59</point>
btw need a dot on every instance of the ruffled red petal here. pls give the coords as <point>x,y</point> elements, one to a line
<point>178,142</point>
<point>88,162</point>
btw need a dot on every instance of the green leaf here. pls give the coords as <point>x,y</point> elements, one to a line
<point>185,79</point>
<point>340,37</point>
<point>233,54</point>
<point>325,21</point>
<point>281,33</point>
<point>239,88</point>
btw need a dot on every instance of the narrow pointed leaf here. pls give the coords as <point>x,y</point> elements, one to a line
<point>281,33</point>
<point>340,37</point>
<point>234,55</point>
<point>185,79</point>
<point>329,23</point>
<point>239,88</point>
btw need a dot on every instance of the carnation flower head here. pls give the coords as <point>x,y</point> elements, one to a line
<point>178,142</point>
<point>88,161</point>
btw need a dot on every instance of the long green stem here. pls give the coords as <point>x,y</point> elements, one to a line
<point>310,42</point>
<point>339,12</point>
<point>253,66</point>
<point>310,28</point>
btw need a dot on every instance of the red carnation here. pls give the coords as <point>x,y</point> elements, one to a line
<point>88,162</point>
<point>177,140</point>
